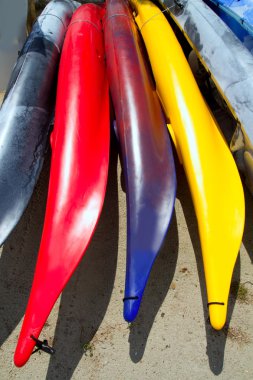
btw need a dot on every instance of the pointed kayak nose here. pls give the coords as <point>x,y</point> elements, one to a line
<point>23,351</point>
<point>217,314</point>
<point>131,308</point>
<point>19,361</point>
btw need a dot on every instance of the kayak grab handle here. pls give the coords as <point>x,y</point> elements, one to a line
<point>215,303</point>
<point>130,298</point>
<point>43,346</point>
<point>179,4</point>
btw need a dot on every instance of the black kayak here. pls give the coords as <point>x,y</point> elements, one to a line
<point>27,110</point>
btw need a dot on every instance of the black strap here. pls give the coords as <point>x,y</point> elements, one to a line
<point>179,4</point>
<point>215,303</point>
<point>43,346</point>
<point>130,298</point>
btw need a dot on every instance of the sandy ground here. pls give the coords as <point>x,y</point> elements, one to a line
<point>171,338</point>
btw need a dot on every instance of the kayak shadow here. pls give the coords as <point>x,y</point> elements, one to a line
<point>85,299</point>
<point>18,258</point>
<point>157,288</point>
<point>248,229</point>
<point>216,340</point>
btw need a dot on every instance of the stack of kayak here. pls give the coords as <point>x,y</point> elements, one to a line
<point>131,51</point>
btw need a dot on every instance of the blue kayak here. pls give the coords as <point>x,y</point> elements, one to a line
<point>146,151</point>
<point>238,15</point>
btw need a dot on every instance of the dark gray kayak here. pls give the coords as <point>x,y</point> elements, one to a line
<point>27,110</point>
<point>230,66</point>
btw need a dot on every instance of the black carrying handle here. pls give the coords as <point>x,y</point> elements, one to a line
<point>43,346</point>
<point>179,3</point>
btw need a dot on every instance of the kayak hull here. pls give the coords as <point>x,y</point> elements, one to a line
<point>210,169</point>
<point>79,168</point>
<point>26,113</point>
<point>228,63</point>
<point>146,151</point>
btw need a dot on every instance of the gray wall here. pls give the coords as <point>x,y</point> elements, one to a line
<point>13,15</point>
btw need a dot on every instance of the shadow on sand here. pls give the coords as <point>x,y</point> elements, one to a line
<point>19,256</point>
<point>85,299</point>
<point>248,230</point>
<point>157,288</point>
<point>216,340</point>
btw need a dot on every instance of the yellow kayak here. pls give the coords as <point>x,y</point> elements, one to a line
<point>210,168</point>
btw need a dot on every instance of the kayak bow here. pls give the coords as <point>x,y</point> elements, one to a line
<point>229,65</point>
<point>78,176</point>
<point>146,151</point>
<point>210,169</point>
<point>27,110</point>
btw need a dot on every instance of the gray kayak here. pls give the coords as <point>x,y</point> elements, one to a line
<point>230,66</point>
<point>27,110</point>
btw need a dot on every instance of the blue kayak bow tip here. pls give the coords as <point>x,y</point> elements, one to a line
<point>131,308</point>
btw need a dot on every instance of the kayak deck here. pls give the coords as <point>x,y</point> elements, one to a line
<point>210,169</point>
<point>26,112</point>
<point>229,65</point>
<point>79,167</point>
<point>146,151</point>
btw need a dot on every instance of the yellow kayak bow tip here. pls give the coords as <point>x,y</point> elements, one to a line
<point>213,177</point>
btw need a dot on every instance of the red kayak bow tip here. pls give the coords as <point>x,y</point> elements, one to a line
<point>21,358</point>
<point>23,351</point>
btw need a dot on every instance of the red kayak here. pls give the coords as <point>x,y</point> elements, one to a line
<point>78,177</point>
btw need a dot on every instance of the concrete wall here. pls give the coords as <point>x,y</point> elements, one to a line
<point>13,15</point>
